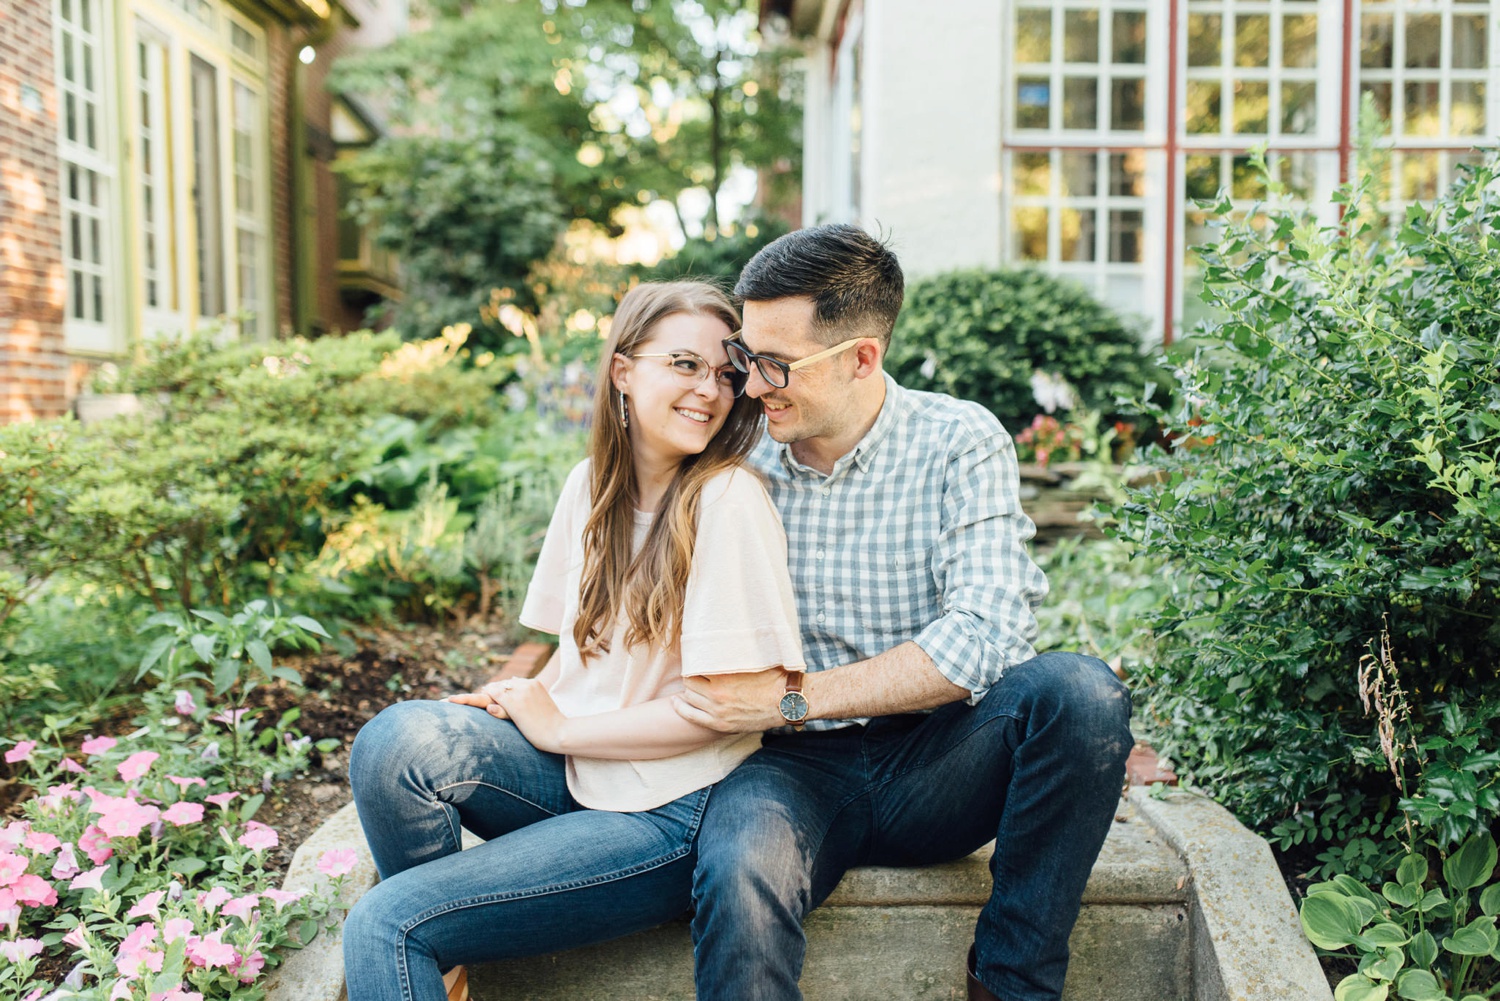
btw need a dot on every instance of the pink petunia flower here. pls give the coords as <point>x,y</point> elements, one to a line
<point>337,862</point>
<point>247,968</point>
<point>120,991</point>
<point>175,928</point>
<point>95,844</point>
<point>184,784</point>
<point>76,938</point>
<point>259,837</point>
<point>69,765</point>
<point>213,899</point>
<point>125,818</point>
<point>145,959</point>
<point>20,752</point>
<point>178,994</point>
<point>136,765</point>
<point>13,833</point>
<point>97,745</point>
<point>182,814</point>
<point>11,867</point>
<point>91,880</point>
<point>19,949</point>
<point>283,897</point>
<point>229,717</point>
<point>242,907</point>
<point>185,705</point>
<point>149,904</point>
<point>222,800</point>
<point>33,891</point>
<point>209,950</point>
<point>10,911</point>
<point>66,866</point>
<point>41,841</point>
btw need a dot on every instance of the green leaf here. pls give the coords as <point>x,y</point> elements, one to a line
<point>1358,987</point>
<point>259,653</point>
<point>309,625</point>
<point>248,808</point>
<point>1419,985</point>
<point>1385,934</point>
<point>1330,920</point>
<point>1489,900</point>
<point>211,616</point>
<point>1472,864</point>
<point>1477,938</point>
<point>1401,895</point>
<point>1423,949</point>
<point>203,646</point>
<point>188,865</point>
<point>1412,871</point>
<point>307,931</point>
<point>226,673</point>
<point>154,652</point>
<point>1383,965</point>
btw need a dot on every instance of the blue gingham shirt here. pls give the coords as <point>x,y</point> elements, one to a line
<point>918,535</point>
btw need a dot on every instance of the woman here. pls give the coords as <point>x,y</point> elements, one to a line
<point>664,558</point>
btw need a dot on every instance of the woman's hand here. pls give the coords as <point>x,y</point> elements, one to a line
<point>529,705</point>
<point>487,698</point>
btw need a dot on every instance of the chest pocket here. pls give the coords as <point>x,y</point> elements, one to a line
<point>890,597</point>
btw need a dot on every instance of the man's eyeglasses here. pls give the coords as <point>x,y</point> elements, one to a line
<point>692,369</point>
<point>776,372</point>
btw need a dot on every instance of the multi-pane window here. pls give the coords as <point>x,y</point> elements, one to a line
<point>250,236</point>
<point>1084,213</point>
<point>153,152</point>
<point>1079,67</point>
<point>1427,67</point>
<point>88,172</point>
<point>1252,68</point>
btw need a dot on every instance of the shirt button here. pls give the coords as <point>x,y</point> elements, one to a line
<point>820,616</point>
<point>827,491</point>
<point>820,554</point>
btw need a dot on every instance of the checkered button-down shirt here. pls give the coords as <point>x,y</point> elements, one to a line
<point>918,535</point>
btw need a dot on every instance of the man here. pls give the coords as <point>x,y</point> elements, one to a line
<point>926,725</point>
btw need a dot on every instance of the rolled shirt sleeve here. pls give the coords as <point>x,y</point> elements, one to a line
<point>988,583</point>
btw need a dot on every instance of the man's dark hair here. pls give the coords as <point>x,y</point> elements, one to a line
<point>853,279</point>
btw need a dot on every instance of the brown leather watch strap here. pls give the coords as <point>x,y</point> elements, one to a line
<point>794,681</point>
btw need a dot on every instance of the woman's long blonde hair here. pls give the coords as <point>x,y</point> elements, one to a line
<point>648,587</point>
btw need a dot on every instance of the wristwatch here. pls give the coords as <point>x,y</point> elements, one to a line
<point>793,704</point>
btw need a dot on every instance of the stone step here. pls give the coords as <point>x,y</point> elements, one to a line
<point>898,933</point>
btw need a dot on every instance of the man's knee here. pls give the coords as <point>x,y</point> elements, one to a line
<point>1070,690</point>
<point>756,859</point>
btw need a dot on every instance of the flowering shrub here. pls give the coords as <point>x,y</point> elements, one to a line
<point>1046,438</point>
<point>138,861</point>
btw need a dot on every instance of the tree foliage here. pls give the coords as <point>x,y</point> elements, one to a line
<point>511,120</point>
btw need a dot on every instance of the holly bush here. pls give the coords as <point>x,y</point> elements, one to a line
<point>980,335</point>
<point>1326,658</point>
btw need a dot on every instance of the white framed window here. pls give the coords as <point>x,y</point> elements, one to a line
<point>1088,214</point>
<point>1428,68</point>
<point>250,203</point>
<point>1082,67</point>
<point>1252,70</point>
<point>81,39</point>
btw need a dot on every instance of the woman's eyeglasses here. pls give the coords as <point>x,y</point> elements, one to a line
<point>692,369</point>
<point>776,372</point>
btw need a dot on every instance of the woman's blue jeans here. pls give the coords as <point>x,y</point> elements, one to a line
<point>1037,765</point>
<point>551,875</point>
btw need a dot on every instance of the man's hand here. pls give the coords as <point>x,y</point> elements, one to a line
<point>733,703</point>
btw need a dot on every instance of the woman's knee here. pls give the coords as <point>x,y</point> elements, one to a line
<point>387,745</point>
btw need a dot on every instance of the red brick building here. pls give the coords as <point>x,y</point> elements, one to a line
<point>165,164</point>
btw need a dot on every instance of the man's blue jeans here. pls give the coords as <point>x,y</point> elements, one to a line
<point>550,875</point>
<point>1037,765</point>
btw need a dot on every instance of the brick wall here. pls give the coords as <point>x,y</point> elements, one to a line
<point>34,371</point>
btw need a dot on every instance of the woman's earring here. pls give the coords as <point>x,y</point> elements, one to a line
<point>624,412</point>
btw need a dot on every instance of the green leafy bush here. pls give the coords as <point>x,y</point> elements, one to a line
<point>717,257</point>
<point>1336,530</point>
<point>982,335</point>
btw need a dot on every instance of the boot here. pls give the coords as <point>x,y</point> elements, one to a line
<point>977,991</point>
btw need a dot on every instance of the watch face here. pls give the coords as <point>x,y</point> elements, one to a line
<point>793,707</point>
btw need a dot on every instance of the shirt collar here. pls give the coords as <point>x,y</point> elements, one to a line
<point>864,451</point>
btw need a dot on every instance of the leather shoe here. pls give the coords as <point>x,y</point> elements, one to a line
<point>977,991</point>
<point>456,981</point>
